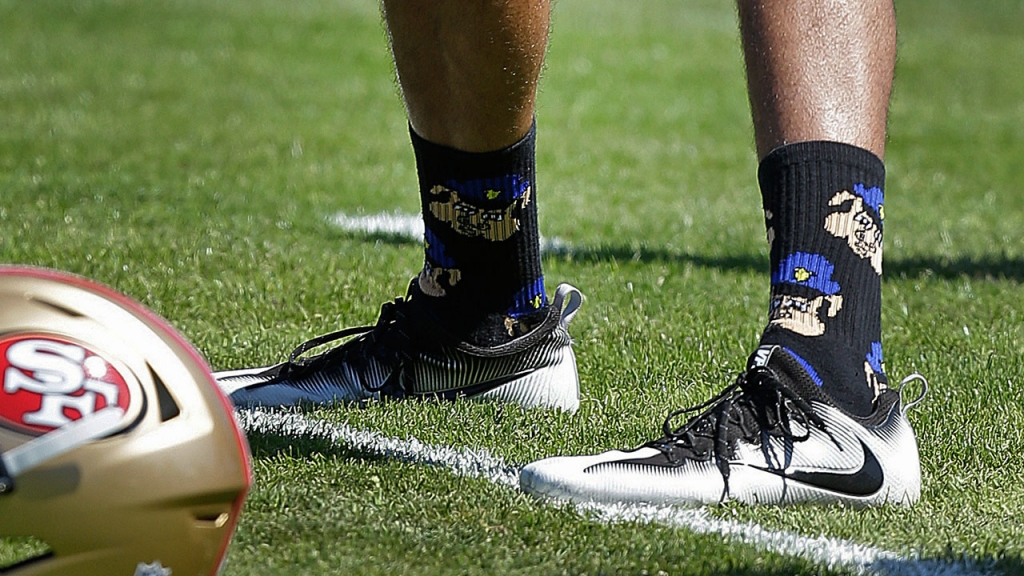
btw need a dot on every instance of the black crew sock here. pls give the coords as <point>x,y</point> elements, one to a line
<point>482,271</point>
<point>823,213</point>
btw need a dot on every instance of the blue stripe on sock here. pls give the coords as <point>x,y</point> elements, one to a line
<point>436,251</point>
<point>874,357</point>
<point>807,366</point>
<point>504,189</point>
<point>872,196</point>
<point>806,269</point>
<point>529,300</point>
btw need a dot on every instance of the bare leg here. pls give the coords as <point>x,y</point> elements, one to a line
<point>819,70</point>
<point>469,70</point>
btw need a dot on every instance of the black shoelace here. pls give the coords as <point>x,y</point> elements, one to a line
<point>756,405</point>
<point>385,341</point>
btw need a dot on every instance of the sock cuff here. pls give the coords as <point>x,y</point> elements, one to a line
<point>821,151</point>
<point>462,165</point>
<point>796,178</point>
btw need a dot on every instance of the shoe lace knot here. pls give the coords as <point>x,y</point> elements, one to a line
<point>756,407</point>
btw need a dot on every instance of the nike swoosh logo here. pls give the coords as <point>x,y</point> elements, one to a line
<point>479,388</point>
<point>864,482</point>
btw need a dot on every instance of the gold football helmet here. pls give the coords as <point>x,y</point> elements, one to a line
<point>117,450</point>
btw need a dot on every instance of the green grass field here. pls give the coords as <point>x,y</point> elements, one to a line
<point>189,153</point>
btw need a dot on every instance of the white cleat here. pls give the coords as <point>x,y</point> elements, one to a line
<point>773,437</point>
<point>407,355</point>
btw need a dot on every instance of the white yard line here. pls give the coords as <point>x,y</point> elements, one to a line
<point>410,227</point>
<point>404,226</point>
<point>479,463</point>
<point>461,461</point>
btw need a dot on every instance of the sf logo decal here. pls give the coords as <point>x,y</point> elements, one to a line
<point>48,382</point>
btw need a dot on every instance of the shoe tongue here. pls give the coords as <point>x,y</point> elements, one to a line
<point>786,368</point>
<point>761,356</point>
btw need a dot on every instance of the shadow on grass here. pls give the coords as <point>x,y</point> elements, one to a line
<point>949,564</point>
<point>269,445</point>
<point>984,267</point>
<point>1012,565</point>
<point>980,267</point>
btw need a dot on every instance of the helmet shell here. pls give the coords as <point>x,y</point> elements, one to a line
<point>159,493</point>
